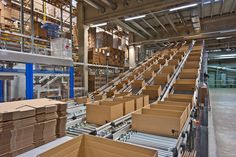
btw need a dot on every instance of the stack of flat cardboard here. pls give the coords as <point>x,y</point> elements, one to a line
<point>29,123</point>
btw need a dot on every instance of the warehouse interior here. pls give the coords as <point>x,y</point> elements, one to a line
<point>117,78</point>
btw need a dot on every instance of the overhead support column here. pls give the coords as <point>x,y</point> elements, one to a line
<point>83,43</point>
<point>22,23</point>
<point>32,25</point>
<point>132,63</point>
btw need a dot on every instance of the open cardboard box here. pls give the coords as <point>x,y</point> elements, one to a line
<point>137,84</point>
<point>193,58</point>
<point>162,61</point>
<point>170,69</point>
<point>81,100</point>
<point>153,91</point>
<point>174,62</point>
<point>128,104</point>
<point>158,122</point>
<point>121,94</point>
<point>181,98</point>
<point>101,112</point>
<point>99,97</point>
<point>120,86</point>
<point>174,103</point>
<point>178,57</point>
<point>138,101</point>
<point>91,146</point>
<point>111,93</point>
<point>161,79</point>
<point>144,97</point>
<point>189,74</point>
<point>169,107</point>
<point>156,67</point>
<point>148,74</point>
<point>191,65</point>
<point>185,84</point>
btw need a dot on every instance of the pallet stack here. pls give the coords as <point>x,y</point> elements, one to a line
<point>30,123</point>
<point>92,37</point>
<point>104,39</point>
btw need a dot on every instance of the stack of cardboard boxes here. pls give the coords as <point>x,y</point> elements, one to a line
<point>30,123</point>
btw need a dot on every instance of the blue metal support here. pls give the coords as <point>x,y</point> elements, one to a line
<point>29,81</point>
<point>71,71</point>
<point>1,91</point>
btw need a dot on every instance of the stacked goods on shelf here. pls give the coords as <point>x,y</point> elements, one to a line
<point>38,31</point>
<point>30,123</point>
<point>104,39</point>
<point>75,36</point>
<point>172,113</point>
<point>94,56</point>
<point>91,146</point>
<point>96,81</point>
<point>106,56</point>
<point>78,78</point>
<point>92,37</point>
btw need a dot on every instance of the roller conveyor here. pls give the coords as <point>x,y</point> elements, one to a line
<point>119,129</point>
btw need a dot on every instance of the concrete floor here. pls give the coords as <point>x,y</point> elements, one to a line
<point>223,103</point>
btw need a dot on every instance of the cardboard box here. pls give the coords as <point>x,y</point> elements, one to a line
<point>183,109</point>
<point>81,100</point>
<point>174,103</point>
<point>158,122</point>
<point>61,126</point>
<point>91,146</point>
<point>99,97</point>
<point>123,94</point>
<point>128,104</point>
<point>144,97</point>
<point>119,86</point>
<point>189,74</point>
<point>161,79</point>
<point>185,85</point>
<point>181,98</point>
<point>192,65</point>
<point>111,93</point>
<point>148,74</point>
<point>153,91</point>
<point>162,61</point>
<point>137,84</point>
<point>170,69</point>
<point>138,101</point>
<point>102,112</point>
<point>193,58</point>
<point>174,62</point>
<point>156,67</point>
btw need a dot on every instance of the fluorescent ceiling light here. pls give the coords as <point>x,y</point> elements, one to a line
<point>220,38</point>
<point>99,25</point>
<point>135,17</point>
<point>184,7</point>
<point>228,55</point>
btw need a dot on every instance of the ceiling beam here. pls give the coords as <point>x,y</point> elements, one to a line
<point>233,6</point>
<point>140,28</point>
<point>159,22</point>
<point>149,25</point>
<point>127,27</point>
<point>171,23</point>
<point>212,7</point>
<point>222,7</point>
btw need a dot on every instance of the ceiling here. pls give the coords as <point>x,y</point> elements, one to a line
<point>206,20</point>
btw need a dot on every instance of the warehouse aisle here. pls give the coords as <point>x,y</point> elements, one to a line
<point>223,102</point>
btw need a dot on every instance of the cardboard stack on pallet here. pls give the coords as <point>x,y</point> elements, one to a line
<point>92,37</point>
<point>104,39</point>
<point>30,123</point>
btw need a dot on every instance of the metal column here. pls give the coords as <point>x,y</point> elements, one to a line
<point>71,71</point>
<point>22,23</point>
<point>29,81</point>
<point>1,91</point>
<point>32,25</point>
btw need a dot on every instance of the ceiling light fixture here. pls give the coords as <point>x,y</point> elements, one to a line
<point>99,25</point>
<point>183,7</point>
<point>220,38</point>
<point>135,17</point>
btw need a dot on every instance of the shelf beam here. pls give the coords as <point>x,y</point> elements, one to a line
<point>22,57</point>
